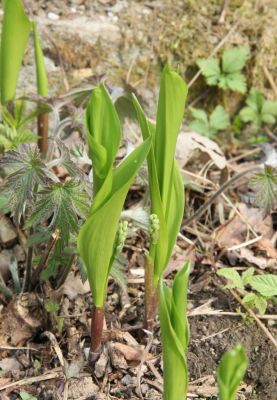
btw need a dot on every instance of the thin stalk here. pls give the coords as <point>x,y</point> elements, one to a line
<point>42,126</point>
<point>151,295</point>
<point>66,270</point>
<point>51,243</point>
<point>97,323</point>
<point>28,272</point>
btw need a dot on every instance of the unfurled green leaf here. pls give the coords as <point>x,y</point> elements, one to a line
<point>247,275</point>
<point>265,183</point>
<point>265,284</point>
<point>230,373</point>
<point>175,335</point>
<point>60,204</point>
<point>227,74</point>
<point>15,32</point>
<point>210,69</point>
<point>258,109</point>
<point>233,60</point>
<point>165,183</point>
<point>42,80</point>
<point>231,275</point>
<point>209,126</point>
<point>26,170</point>
<point>219,119</point>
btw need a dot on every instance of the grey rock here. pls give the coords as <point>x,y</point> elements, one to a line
<point>8,234</point>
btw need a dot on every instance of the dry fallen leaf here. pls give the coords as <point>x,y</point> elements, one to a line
<point>189,142</point>
<point>131,353</point>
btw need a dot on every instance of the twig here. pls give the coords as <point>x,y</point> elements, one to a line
<point>254,316</point>
<point>215,50</point>
<point>223,12</point>
<point>29,380</point>
<point>270,80</point>
<point>143,360</point>
<point>51,243</point>
<point>222,189</point>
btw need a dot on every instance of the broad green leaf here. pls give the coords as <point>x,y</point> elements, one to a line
<point>42,81</point>
<point>232,275</point>
<point>200,115</point>
<point>25,395</point>
<point>249,299</point>
<point>268,119</point>
<point>269,107</point>
<point>230,373</point>
<point>235,82</point>
<point>175,336</point>
<point>15,32</point>
<point>265,284</point>
<point>97,235</point>
<point>219,119</point>
<point>261,304</point>
<point>247,275</point>
<point>248,114</point>
<point>255,100</point>
<point>103,135</point>
<point>233,60</point>
<point>201,127</point>
<point>210,69</point>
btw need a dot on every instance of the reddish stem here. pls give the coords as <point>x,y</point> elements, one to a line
<point>42,122</point>
<point>151,295</point>
<point>97,322</point>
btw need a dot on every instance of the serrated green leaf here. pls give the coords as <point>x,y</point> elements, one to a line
<point>269,107</point>
<point>249,299</point>
<point>247,275</point>
<point>202,128</point>
<point>200,115</point>
<point>261,304</point>
<point>210,69</point>
<point>247,114</point>
<point>15,33</point>
<point>233,60</point>
<point>219,119</point>
<point>232,275</point>
<point>175,335</point>
<point>25,395</point>
<point>235,82</point>
<point>97,235</point>
<point>230,372</point>
<point>265,284</point>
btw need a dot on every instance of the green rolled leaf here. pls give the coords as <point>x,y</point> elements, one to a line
<point>96,240</point>
<point>15,32</point>
<point>103,135</point>
<point>230,372</point>
<point>42,80</point>
<point>175,335</point>
<point>165,182</point>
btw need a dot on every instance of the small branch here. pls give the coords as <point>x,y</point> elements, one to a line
<point>42,126</point>
<point>55,236</point>
<point>254,316</point>
<point>66,270</point>
<point>221,190</point>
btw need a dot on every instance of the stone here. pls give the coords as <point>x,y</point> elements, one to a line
<point>8,234</point>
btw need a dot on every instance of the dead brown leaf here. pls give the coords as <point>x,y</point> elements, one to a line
<point>131,353</point>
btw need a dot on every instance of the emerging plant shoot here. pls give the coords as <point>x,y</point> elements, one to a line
<point>101,236</point>
<point>165,181</point>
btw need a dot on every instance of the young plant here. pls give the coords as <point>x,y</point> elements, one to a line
<point>15,33</point>
<point>230,372</point>
<point>265,286</point>
<point>259,111</point>
<point>175,335</point>
<point>209,125</point>
<point>165,181</point>
<point>102,237</point>
<point>226,72</point>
